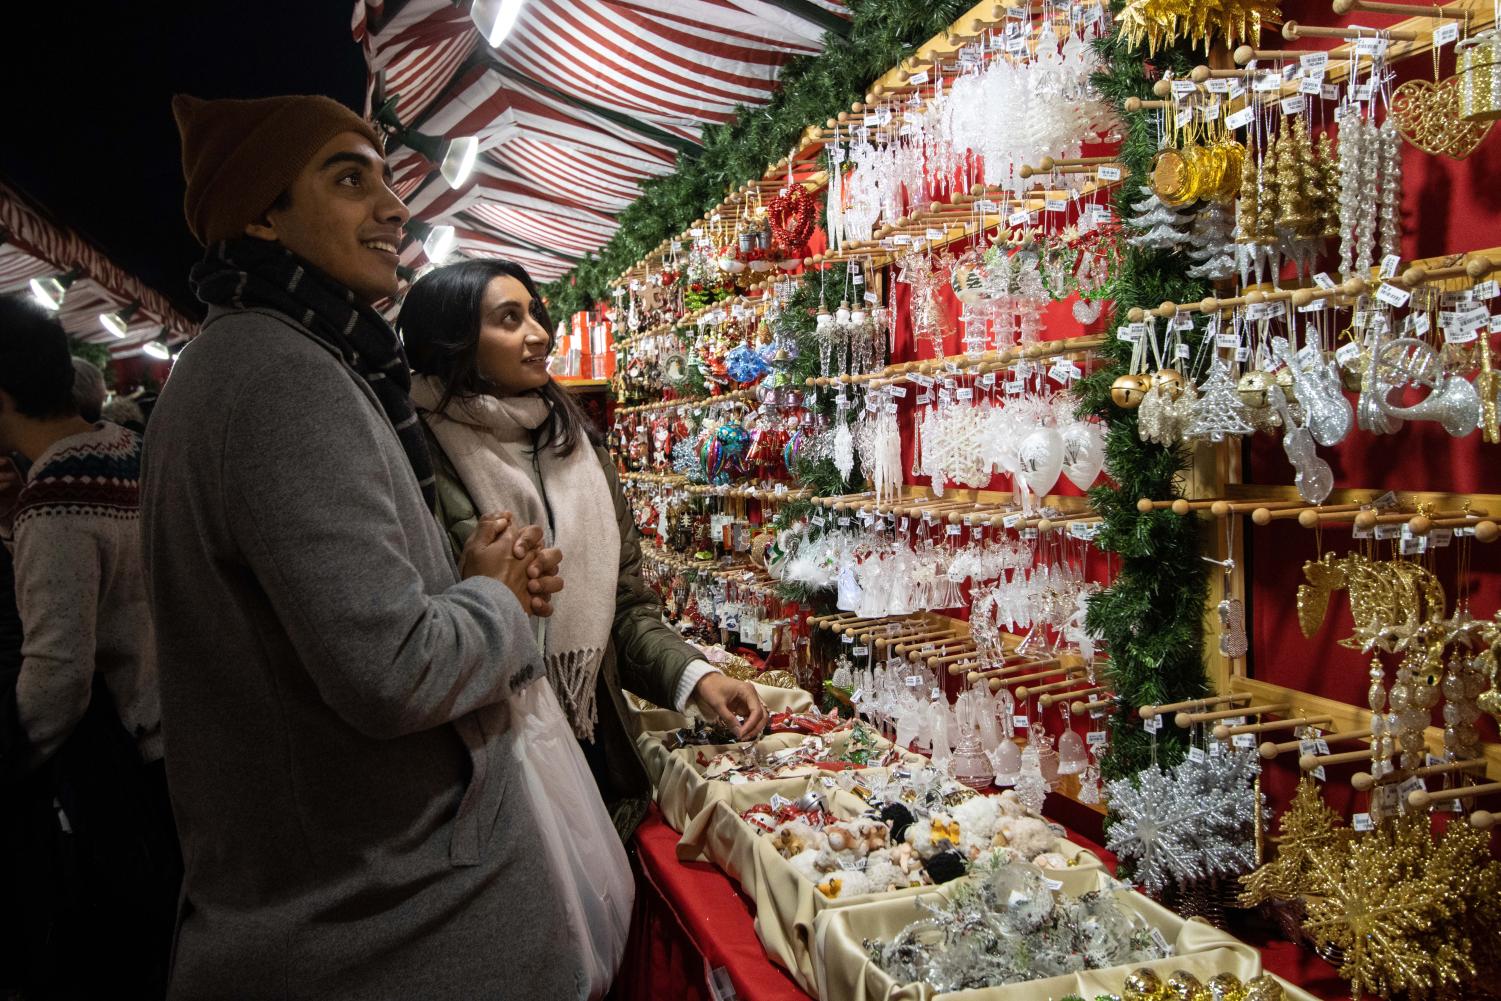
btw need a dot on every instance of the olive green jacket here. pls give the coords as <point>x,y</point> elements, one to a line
<point>644,655</point>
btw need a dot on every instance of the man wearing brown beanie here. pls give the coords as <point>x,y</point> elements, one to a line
<point>333,694</point>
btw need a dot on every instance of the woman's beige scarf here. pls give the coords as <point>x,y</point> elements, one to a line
<point>488,440</point>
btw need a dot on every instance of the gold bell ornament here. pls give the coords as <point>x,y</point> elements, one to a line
<point>1127,390</point>
<point>1169,382</point>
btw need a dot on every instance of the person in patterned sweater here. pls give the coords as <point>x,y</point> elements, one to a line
<point>75,531</point>
<point>91,851</point>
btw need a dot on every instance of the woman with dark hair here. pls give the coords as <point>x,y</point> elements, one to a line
<point>506,437</point>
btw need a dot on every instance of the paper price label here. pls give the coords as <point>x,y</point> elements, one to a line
<point>935,234</point>
<point>1323,281</point>
<point>1362,822</point>
<point>1014,387</point>
<point>964,394</point>
<point>1240,119</point>
<point>1110,173</point>
<point>1152,725</point>
<point>1313,60</point>
<point>918,78</point>
<point>986,205</point>
<point>955,530</point>
<point>1184,351</point>
<point>1245,741</point>
<point>1227,340</point>
<point>844,523</point>
<point>1217,86</point>
<point>905,523</point>
<point>1163,945</point>
<point>899,391</point>
<point>913,680</point>
<point>1267,82</point>
<point>1057,204</point>
<point>1445,33</point>
<point>1495,323</point>
<point>1052,884</point>
<point>861,651</point>
<point>1370,46</point>
<point>847,640</point>
<point>818,521</point>
<point>858,695</point>
<point>1292,105</point>
<point>1440,537</point>
<point>1017,218</point>
<point>1330,92</point>
<point>1393,296</point>
<point>1020,723</point>
<point>1097,738</point>
<point>1196,755</point>
<point>1389,265</point>
<point>1313,86</point>
<point>1347,353</point>
<point>1486,290</point>
<point>1011,520</point>
<point>1182,88</point>
<point>1388,531</point>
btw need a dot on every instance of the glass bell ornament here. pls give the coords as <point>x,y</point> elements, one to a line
<point>1073,756</point>
<point>1007,761</point>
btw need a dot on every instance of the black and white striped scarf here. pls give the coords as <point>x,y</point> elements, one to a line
<point>246,272</point>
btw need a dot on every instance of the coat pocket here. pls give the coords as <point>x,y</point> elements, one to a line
<point>484,736</point>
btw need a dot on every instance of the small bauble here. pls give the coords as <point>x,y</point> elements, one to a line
<point>1264,988</point>
<point>1253,387</point>
<point>1285,380</point>
<point>1226,987</point>
<point>1169,382</point>
<point>1128,390</point>
<point>1142,985</point>
<point>1184,986</point>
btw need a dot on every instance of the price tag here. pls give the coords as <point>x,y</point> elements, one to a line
<point>1486,290</point>
<point>955,530</point>
<point>1236,89</point>
<point>1362,822</point>
<point>1110,173</point>
<point>1445,33</point>
<point>1052,884</point>
<point>1011,520</point>
<point>935,234</point>
<point>1323,281</point>
<point>1392,295</point>
<point>899,391</point>
<point>1245,741</point>
<point>1161,942</point>
<point>1292,105</point>
<point>1389,265</point>
<point>1128,335</point>
<point>1370,46</point>
<point>1313,60</point>
<point>1318,773</point>
<point>1311,85</point>
<point>847,639</point>
<point>818,521</point>
<point>1152,725</point>
<point>861,651</point>
<point>1229,339</point>
<point>1346,353</point>
<point>1097,738</point>
<point>1057,204</point>
<point>858,695</point>
<point>1409,786</point>
<point>1496,323</point>
<point>1014,387</point>
<point>1197,755</point>
<point>1388,531</point>
<point>779,801</point>
<point>1184,351</point>
<point>964,394</point>
<point>986,205</point>
<point>935,694</point>
<point>918,78</point>
<point>906,523</point>
<point>1267,82</point>
<point>922,398</point>
<point>1440,537</point>
<point>1217,86</point>
<point>1017,218</point>
<point>1320,745</point>
<point>858,278</point>
<point>913,680</point>
<point>988,379</point>
<point>844,523</point>
<point>1099,213</point>
<point>1330,92</point>
<point>1240,119</point>
<point>1182,88</point>
<point>1020,723</point>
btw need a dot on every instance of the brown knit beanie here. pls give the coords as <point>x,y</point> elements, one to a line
<point>239,156</point>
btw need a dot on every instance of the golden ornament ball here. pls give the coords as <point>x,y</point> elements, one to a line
<point>1226,987</point>
<point>1252,388</point>
<point>1128,390</point>
<point>1184,986</point>
<point>1264,988</point>
<point>1284,379</point>
<point>1169,382</point>
<point>1143,985</point>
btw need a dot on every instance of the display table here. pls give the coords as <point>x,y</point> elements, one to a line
<point>691,919</point>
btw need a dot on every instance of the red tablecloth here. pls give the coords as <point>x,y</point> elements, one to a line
<point>692,919</point>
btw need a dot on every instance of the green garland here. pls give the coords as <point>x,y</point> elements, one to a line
<point>812,88</point>
<point>1152,616</point>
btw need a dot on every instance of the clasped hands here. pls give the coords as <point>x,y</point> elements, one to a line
<point>513,554</point>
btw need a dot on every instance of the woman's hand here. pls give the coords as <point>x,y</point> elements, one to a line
<point>498,549</point>
<point>735,702</point>
<point>544,580</point>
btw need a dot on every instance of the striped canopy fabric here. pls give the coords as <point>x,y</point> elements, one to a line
<point>583,100</point>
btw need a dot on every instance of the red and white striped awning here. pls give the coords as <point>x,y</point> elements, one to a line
<point>583,101</point>
<point>33,247</point>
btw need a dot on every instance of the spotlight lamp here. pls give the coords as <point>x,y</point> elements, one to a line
<point>49,291</point>
<point>495,18</point>
<point>455,157</point>
<point>117,321</point>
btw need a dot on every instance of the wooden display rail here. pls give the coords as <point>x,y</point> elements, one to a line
<point>995,359</point>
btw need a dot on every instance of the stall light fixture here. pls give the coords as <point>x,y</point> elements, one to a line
<point>157,348</point>
<point>438,242</point>
<point>49,291</point>
<point>455,157</point>
<point>495,18</point>
<point>117,321</point>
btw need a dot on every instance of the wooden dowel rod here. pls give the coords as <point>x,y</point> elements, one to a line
<point>1270,750</point>
<point>1028,691</point>
<point>1049,162</point>
<point>1293,31</point>
<point>925,654</point>
<point>1024,665</point>
<point>1223,732</point>
<point>1363,781</point>
<point>1245,54</point>
<point>1137,104</point>
<point>1482,820</point>
<point>1186,720</point>
<point>1420,798</point>
<point>902,644</point>
<point>1222,508</point>
<point>1089,707</point>
<point>1147,712</point>
<point>1014,680</point>
<point>1267,515</point>
<point>1048,700</point>
<point>1308,762</point>
<point>1343,7</point>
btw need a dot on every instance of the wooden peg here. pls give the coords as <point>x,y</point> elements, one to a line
<point>1267,514</point>
<point>1270,750</point>
<point>1055,697</point>
<point>1147,712</point>
<point>1221,509</point>
<point>1293,31</point>
<point>1343,7</point>
<point>1223,732</point>
<point>1419,798</point>
<point>1028,691</point>
<point>1482,820</point>
<point>1364,782</point>
<point>1308,762</point>
<point>1186,719</point>
<point>1089,707</point>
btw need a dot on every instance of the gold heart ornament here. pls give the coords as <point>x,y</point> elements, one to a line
<point>1428,118</point>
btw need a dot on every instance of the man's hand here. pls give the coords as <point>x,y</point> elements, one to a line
<point>735,702</point>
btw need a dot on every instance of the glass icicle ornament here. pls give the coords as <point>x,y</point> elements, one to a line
<point>1391,188</point>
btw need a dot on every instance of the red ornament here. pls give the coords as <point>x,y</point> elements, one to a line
<point>791,213</point>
